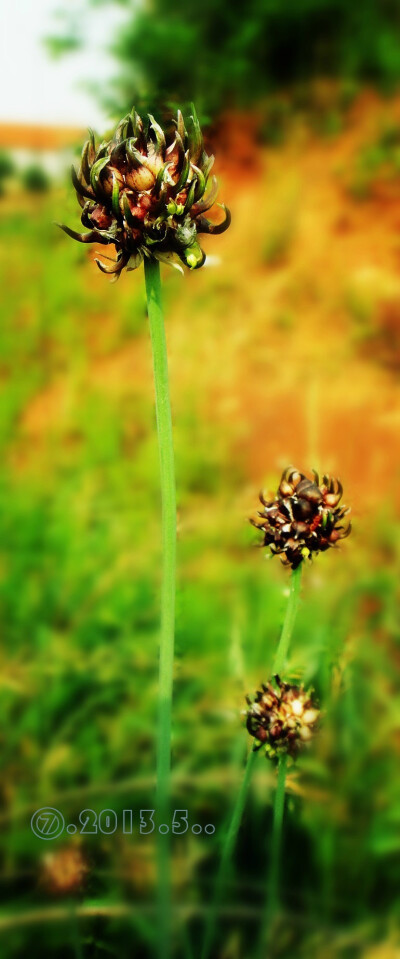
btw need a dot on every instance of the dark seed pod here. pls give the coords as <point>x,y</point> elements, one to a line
<point>146,196</point>
<point>304,518</point>
<point>282,718</point>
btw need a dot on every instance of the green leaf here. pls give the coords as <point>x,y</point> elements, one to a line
<point>79,187</point>
<point>159,135</point>
<point>95,174</point>
<point>115,198</point>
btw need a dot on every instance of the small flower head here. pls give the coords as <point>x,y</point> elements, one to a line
<point>64,871</point>
<point>145,195</point>
<point>304,517</point>
<point>281,718</point>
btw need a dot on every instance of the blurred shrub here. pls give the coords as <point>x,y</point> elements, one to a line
<point>274,123</point>
<point>373,302</point>
<point>35,179</point>
<point>375,166</point>
<point>223,55</point>
<point>7,168</point>
<point>7,165</point>
<point>281,224</point>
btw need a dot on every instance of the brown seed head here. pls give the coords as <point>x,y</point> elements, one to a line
<point>304,518</point>
<point>281,718</point>
<point>145,196</point>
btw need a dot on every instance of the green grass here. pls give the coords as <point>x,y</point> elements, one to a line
<point>79,616</point>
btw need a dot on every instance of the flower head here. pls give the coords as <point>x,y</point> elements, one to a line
<point>64,871</point>
<point>281,719</point>
<point>304,517</point>
<point>146,196</point>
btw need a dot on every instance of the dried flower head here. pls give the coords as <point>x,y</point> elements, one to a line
<point>304,517</point>
<point>64,871</point>
<point>145,196</point>
<point>281,719</point>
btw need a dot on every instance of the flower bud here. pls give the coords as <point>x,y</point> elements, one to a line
<point>145,196</point>
<point>304,518</point>
<point>281,718</point>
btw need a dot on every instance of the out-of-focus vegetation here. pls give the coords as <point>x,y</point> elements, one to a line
<point>32,177</point>
<point>7,168</point>
<point>7,165</point>
<point>276,355</point>
<point>35,179</point>
<point>225,55</point>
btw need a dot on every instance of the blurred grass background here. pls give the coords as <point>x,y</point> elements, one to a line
<point>286,348</point>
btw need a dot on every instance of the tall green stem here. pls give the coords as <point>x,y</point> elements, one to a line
<point>166,661</point>
<point>227,851</point>
<point>229,845</point>
<point>276,840</point>
<point>275,856</point>
<point>279,801</point>
<point>289,621</point>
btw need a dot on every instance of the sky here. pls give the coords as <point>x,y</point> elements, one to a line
<point>36,88</point>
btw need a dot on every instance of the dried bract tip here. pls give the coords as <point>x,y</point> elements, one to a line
<point>145,195</point>
<point>282,718</point>
<point>304,517</point>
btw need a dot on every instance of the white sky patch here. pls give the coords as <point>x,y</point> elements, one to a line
<point>35,88</point>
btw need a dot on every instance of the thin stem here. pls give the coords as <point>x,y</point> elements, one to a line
<point>76,936</point>
<point>275,857</point>
<point>279,802</point>
<point>279,660</point>
<point>227,851</point>
<point>276,839</point>
<point>289,621</point>
<point>168,496</point>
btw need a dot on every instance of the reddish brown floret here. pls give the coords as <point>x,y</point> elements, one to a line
<point>145,197</point>
<point>282,718</point>
<point>304,518</point>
